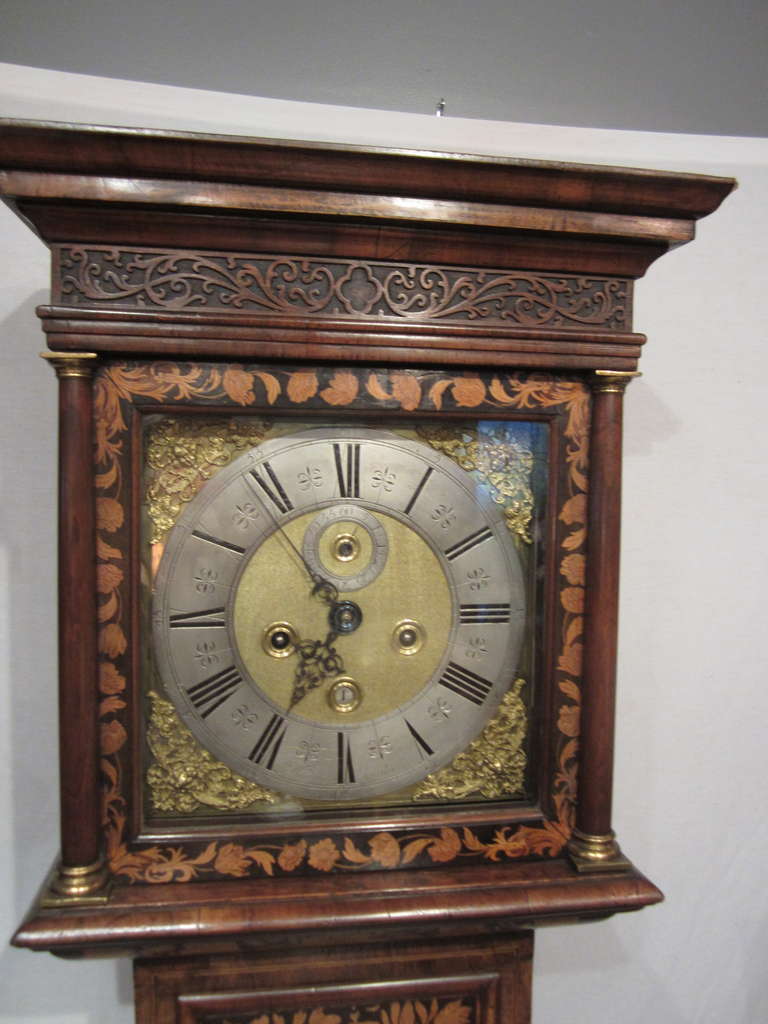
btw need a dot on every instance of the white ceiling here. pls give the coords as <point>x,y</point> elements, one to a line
<point>697,67</point>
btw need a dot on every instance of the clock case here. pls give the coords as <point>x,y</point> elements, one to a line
<point>228,276</point>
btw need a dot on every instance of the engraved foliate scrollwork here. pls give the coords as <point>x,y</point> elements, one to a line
<point>280,285</point>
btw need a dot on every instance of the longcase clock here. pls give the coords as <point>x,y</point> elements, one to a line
<point>340,452</point>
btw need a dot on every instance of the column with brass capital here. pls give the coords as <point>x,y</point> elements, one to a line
<point>593,845</point>
<point>81,876</point>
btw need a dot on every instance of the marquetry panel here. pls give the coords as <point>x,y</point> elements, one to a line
<point>485,982</point>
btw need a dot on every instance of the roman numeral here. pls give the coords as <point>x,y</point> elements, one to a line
<point>211,693</point>
<point>269,742</point>
<point>219,543</point>
<point>462,546</point>
<point>273,489</point>
<point>417,492</point>
<point>484,613</point>
<point>345,771</point>
<point>347,469</point>
<point>197,620</point>
<point>421,742</point>
<point>467,684</point>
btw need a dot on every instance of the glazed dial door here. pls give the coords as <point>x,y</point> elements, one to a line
<point>338,613</point>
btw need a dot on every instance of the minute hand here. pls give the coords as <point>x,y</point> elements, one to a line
<point>321,588</point>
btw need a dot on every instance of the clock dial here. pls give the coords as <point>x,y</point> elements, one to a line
<point>320,605</point>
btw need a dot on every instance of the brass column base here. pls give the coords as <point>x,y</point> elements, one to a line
<point>73,886</point>
<point>596,853</point>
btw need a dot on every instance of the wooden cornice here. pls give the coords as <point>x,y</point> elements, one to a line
<point>56,176</point>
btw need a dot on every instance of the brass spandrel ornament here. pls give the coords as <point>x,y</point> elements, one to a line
<point>185,777</point>
<point>182,454</point>
<point>493,765</point>
<point>505,465</point>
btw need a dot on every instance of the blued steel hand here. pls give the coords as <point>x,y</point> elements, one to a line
<point>318,660</point>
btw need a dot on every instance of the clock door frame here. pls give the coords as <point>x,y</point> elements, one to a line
<point>383,839</point>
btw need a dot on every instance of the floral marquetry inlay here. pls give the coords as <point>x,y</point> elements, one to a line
<point>274,285</point>
<point>405,1011</point>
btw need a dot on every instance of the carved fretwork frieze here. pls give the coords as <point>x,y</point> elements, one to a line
<point>336,289</point>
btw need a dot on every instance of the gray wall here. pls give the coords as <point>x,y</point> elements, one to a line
<point>696,67</point>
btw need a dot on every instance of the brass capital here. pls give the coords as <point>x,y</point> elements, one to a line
<point>71,364</point>
<point>596,852</point>
<point>606,381</point>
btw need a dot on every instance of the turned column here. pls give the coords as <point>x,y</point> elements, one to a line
<point>593,846</point>
<point>81,873</point>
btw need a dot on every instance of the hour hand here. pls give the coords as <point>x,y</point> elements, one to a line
<point>318,661</point>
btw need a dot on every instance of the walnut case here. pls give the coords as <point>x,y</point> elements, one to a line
<point>229,279</point>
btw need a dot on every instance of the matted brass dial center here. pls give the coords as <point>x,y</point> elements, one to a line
<point>363,623</point>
